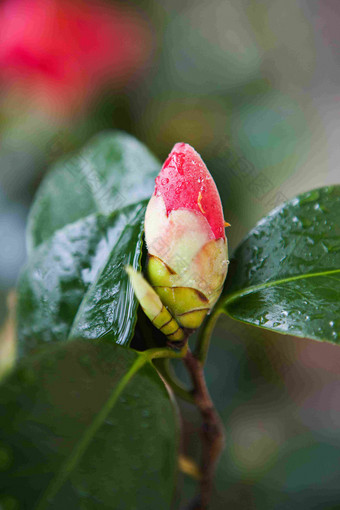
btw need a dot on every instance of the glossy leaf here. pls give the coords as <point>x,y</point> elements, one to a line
<point>75,282</point>
<point>87,425</point>
<point>114,170</point>
<point>287,276</point>
<point>85,225</point>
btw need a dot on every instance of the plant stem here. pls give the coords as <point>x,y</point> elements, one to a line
<point>212,429</point>
<point>164,368</point>
<point>203,343</point>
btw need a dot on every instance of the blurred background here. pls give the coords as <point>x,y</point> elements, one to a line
<point>254,87</point>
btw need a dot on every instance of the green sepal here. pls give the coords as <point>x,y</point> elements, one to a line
<point>154,308</point>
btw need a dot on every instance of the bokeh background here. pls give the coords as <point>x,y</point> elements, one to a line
<point>254,87</point>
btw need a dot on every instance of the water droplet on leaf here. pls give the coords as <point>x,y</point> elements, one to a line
<point>311,196</point>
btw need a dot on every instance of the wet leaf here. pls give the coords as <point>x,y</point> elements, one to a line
<point>112,171</point>
<point>82,234</point>
<point>75,282</point>
<point>287,276</point>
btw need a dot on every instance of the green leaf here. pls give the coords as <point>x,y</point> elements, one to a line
<point>114,170</point>
<point>75,283</point>
<point>85,226</point>
<point>287,276</point>
<point>87,425</point>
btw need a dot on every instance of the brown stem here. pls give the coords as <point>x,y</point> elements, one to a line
<point>212,429</point>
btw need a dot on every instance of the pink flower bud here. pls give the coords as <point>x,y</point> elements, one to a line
<point>184,231</point>
<point>185,183</point>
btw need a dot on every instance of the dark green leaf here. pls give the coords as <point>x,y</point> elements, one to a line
<point>111,172</point>
<point>87,425</point>
<point>77,280</point>
<point>85,225</point>
<point>287,276</point>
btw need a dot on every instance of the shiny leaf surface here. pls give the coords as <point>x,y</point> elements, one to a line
<point>75,282</point>
<point>86,224</point>
<point>114,170</point>
<point>287,275</point>
<point>87,425</point>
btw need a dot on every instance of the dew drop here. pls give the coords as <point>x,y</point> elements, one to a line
<point>311,196</point>
<point>319,208</point>
<point>331,246</point>
<point>164,181</point>
<point>179,160</point>
<point>325,247</point>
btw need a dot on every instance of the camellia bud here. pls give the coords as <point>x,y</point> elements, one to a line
<point>184,232</point>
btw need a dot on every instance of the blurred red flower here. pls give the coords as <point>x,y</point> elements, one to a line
<point>60,52</point>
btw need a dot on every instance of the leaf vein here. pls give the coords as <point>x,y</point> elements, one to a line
<point>255,288</point>
<point>81,446</point>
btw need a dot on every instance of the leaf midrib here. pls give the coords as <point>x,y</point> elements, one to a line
<point>80,448</point>
<point>255,288</point>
